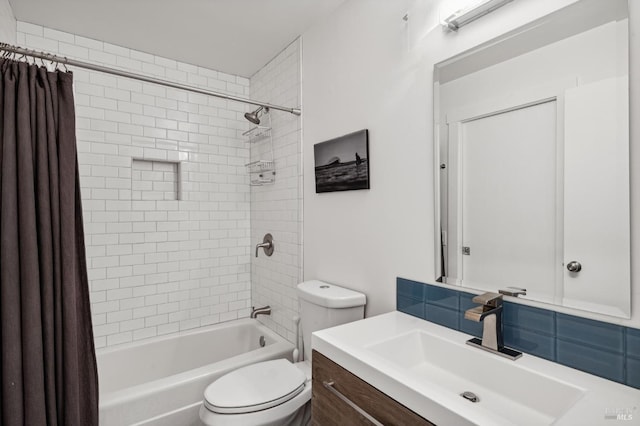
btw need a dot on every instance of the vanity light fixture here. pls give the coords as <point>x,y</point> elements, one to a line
<point>472,12</point>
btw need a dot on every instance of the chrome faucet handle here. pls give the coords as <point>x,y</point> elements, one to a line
<point>513,291</point>
<point>488,299</point>
<point>266,244</point>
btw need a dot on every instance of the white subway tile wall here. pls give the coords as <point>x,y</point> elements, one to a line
<point>7,23</point>
<point>158,264</point>
<point>277,208</point>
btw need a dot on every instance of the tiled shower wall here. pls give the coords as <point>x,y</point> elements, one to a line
<point>164,188</point>
<point>7,23</point>
<point>277,208</point>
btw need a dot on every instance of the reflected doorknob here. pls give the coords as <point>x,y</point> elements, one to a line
<point>574,266</point>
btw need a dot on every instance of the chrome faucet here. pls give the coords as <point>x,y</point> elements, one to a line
<point>490,314</point>
<point>265,310</point>
<point>491,304</point>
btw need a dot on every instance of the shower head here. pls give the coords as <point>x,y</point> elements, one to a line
<point>253,116</point>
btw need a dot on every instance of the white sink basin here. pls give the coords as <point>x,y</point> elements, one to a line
<point>501,386</point>
<point>426,367</point>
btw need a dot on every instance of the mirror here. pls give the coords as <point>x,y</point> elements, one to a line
<point>532,144</point>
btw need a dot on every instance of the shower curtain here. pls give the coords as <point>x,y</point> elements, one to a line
<point>48,370</point>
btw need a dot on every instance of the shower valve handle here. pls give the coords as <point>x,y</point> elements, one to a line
<point>266,244</point>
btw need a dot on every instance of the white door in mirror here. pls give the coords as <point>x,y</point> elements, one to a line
<point>508,207</point>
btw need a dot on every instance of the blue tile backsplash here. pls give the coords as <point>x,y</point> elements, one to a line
<point>606,350</point>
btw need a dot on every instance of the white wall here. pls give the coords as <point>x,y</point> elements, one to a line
<point>364,67</point>
<point>356,75</point>
<point>277,208</point>
<point>158,265</point>
<point>7,23</point>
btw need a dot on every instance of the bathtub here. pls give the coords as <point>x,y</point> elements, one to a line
<point>161,381</point>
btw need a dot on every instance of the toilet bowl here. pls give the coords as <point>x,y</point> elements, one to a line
<point>263,394</point>
<point>278,392</point>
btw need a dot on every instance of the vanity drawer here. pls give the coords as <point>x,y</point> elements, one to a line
<point>328,409</point>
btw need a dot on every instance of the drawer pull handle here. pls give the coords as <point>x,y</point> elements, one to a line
<point>329,386</point>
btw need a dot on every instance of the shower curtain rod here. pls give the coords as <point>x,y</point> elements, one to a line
<point>75,63</point>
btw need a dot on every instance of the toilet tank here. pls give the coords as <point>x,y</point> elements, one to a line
<point>324,305</point>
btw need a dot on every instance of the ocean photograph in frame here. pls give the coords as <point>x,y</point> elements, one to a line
<point>342,164</point>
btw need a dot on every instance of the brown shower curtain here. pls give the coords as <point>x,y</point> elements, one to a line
<point>47,368</point>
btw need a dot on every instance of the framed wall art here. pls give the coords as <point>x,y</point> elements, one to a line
<point>342,164</point>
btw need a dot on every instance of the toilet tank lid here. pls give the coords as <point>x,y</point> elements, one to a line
<point>329,295</point>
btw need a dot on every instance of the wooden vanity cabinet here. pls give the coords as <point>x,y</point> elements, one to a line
<point>327,408</point>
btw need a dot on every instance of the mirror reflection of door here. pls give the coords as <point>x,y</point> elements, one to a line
<point>532,143</point>
<point>535,184</point>
<point>508,202</point>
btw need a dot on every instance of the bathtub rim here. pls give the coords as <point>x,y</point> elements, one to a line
<point>280,345</point>
<point>189,332</point>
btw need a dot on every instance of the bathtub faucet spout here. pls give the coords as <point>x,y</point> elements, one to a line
<point>265,310</point>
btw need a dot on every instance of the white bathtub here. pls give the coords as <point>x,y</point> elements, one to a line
<point>161,381</point>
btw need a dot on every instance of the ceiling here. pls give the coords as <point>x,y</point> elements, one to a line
<point>234,36</point>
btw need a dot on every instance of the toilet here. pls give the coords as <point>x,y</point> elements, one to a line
<point>278,392</point>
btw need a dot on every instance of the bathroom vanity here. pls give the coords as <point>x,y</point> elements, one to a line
<point>395,365</point>
<point>341,398</point>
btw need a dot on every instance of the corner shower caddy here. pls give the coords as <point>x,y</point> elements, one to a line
<point>262,171</point>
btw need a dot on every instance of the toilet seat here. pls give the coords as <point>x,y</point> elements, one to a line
<point>255,387</point>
